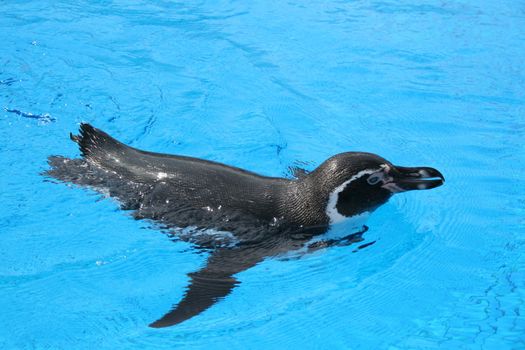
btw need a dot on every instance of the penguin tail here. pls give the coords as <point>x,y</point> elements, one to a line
<point>97,149</point>
<point>95,144</point>
<point>102,167</point>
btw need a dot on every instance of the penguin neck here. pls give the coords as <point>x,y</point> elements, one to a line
<point>301,204</point>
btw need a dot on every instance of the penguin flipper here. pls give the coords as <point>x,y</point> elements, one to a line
<point>212,283</point>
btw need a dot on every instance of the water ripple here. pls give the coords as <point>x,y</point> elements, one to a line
<point>44,118</point>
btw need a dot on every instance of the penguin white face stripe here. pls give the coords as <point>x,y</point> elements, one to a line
<point>331,210</point>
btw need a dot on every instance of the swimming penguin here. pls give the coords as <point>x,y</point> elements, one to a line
<point>239,216</point>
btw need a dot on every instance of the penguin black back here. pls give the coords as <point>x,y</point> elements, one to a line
<point>160,183</point>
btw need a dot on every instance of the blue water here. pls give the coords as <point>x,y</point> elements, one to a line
<point>264,86</point>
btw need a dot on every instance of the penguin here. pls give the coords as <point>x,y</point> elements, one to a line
<point>238,216</point>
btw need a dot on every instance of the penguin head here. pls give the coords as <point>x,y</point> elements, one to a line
<point>359,182</point>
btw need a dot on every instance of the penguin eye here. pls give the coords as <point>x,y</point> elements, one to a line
<point>374,179</point>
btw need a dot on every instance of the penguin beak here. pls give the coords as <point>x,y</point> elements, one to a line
<point>418,178</point>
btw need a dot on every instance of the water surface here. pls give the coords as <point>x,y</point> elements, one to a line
<point>265,86</point>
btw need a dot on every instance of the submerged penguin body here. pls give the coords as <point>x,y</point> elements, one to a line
<point>267,216</point>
